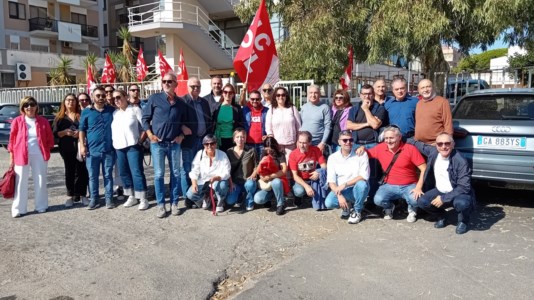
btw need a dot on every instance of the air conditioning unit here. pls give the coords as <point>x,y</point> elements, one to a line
<point>67,45</point>
<point>24,71</point>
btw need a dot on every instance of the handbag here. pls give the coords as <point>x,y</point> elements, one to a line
<point>7,183</point>
<point>383,178</point>
<point>265,186</point>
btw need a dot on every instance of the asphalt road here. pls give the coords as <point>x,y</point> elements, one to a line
<point>127,254</point>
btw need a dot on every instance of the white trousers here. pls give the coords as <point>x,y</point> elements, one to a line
<point>39,169</point>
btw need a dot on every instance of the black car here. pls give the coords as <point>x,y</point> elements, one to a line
<point>10,111</point>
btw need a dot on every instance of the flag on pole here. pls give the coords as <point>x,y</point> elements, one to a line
<point>91,84</point>
<point>181,76</point>
<point>347,76</point>
<point>141,67</point>
<point>164,66</point>
<point>256,61</point>
<point>108,74</point>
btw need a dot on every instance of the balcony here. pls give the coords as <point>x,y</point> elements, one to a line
<point>46,27</point>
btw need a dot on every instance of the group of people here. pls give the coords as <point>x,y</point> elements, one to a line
<point>254,151</point>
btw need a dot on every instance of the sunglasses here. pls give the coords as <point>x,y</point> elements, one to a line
<point>228,92</point>
<point>441,144</point>
<point>167,81</point>
<point>351,140</point>
<point>117,98</point>
<point>134,90</point>
<point>30,104</point>
<point>100,96</point>
<point>194,87</point>
<point>267,90</point>
<point>255,99</point>
<point>339,97</point>
<point>210,144</point>
<point>281,95</point>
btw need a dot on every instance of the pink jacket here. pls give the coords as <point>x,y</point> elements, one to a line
<point>18,139</point>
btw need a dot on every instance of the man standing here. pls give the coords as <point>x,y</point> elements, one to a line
<point>400,181</point>
<point>316,118</point>
<point>198,121</point>
<point>163,118</point>
<point>95,128</point>
<point>214,97</point>
<point>303,163</point>
<point>267,95</point>
<point>380,91</point>
<point>447,182</point>
<point>401,108</point>
<point>365,119</point>
<point>133,96</point>
<point>109,95</point>
<point>432,114</point>
<point>254,114</point>
<point>347,175</point>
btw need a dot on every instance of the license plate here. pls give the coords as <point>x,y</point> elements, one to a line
<point>502,142</point>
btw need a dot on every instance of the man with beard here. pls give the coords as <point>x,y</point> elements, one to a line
<point>432,114</point>
<point>254,114</point>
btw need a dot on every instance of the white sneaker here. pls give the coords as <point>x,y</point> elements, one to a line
<point>355,217</point>
<point>411,217</point>
<point>388,213</point>
<point>69,203</point>
<point>204,205</point>
<point>250,208</point>
<point>130,202</point>
<point>144,204</point>
<point>219,209</point>
<point>85,201</point>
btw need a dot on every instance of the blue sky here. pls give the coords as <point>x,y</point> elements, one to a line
<point>498,44</point>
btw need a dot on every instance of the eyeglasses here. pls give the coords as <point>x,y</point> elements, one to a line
<point>351,140</point>
<point>255,99</point>
<point>228,92</point>
<point>134,90</point>
<point>281,95</point>
<point>117,98</point>
<point>339,97</point>
<point>29,104</point>
<point>446,144</point>
<point>194,87</point>
<point>267,90</point>
<point>100,96</point>
<point>167,81</point>
<point>83,99</point>
<point>210,144</point>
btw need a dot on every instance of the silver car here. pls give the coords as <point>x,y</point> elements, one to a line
<point>494,130</point>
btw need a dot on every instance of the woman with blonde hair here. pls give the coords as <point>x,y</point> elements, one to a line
<point>29,146</point>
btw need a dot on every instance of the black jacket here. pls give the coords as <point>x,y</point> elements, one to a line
<point>192,121</point>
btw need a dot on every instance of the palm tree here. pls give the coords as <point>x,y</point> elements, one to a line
<point>122,66</point>
<point>60,74</point>
<point>90,62</point>
<point>127,48</point>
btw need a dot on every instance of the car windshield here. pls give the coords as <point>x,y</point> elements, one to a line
<point>9,110</point>
<point>496,107</point>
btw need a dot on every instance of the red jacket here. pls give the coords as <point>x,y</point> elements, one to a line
<point>18,139</point>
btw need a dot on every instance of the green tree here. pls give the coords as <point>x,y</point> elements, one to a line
<point>522,63</point>
<point>128,51</point>
<point>60,74</point>
<point>90,62</point>
<point>122,66</point>
<point>479,62</point>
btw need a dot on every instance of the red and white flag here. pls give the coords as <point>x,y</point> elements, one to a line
<point>164,66</point>
<point>181,76</point>
<point>141,67</point>
<point>256,61</point>
<point>91,83</point>
<point>346,78</point>
<point>108,74</point>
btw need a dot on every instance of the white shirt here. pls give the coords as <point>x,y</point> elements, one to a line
<point>443,183</point>
<point>341,169</point>
<point>33,143</point>
<point>203,172</point>
<point>126,127</point>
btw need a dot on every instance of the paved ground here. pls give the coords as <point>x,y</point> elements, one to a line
<point>127,254</point>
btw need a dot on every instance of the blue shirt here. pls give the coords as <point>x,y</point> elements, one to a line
<point>402,114</point>
<point>162,118</point>
<point>97,127</point>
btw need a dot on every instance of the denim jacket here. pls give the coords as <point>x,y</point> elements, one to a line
<point>247,115</point>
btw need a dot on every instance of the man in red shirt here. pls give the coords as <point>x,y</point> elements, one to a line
<point>254,115</point>
<point>402,180</point>
<point>309,180</point>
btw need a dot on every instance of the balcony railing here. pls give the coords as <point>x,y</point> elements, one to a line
<point>47,24</point>
<point>89,30</point>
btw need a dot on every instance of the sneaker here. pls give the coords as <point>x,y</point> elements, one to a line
<point>250,208</point>
<point>69,203</point>
<point>143,205</point>
<point>205,205</point>
<point>92,204</point>
<point>77,199</point>
<point>280,210</point>
<point>161,211</point>
<point>42,211</point>
<point>219,209</point>
<point>119,191</point>
<point>388,213</point>
<point>130,202</point>
<point>345,213</point>
<point>174,210</point>
<point>355,217</point>
<point>411,217</point>
<point>85,201</point>
<point>109,204</point>
<point>440,223</point>
<point>188,203</point>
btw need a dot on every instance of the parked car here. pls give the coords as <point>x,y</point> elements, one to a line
<point>456,89</point>
<point>494,130</point>
<point>10,111</point>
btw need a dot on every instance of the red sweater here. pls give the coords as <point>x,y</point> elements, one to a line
<point>18,139</point>
<point>432,118</point>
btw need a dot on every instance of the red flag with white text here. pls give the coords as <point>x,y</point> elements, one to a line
<point>181,76</point>
<point>256,60</point>
<point>91,84</point>
<point>108,74</point>
<point>347,76</point>
<point>141,67</point>
<point>164,66</point>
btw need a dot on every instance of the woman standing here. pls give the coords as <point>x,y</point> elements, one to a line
<point>283,121</point>
<point>128,137</point>
<point>226,118</point>
<point>66,129</point>
<point>84,100</point>
<point>243,161</point>
<point>30,142</point>
<point>340,112</point>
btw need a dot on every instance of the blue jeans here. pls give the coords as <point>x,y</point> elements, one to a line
<point>277,191</point>
<point>318,196</point>
<point>388,192</point>
<point>355,194</point>
<point>249,188</point>
<point>188,154</point>
<point>130,164</point>
<point>258,148</point>
<point>219,187</point>
<point>463,204</point>
<point>94,162</point>
<point>172,152</point>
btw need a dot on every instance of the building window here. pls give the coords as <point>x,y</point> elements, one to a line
<point>38,12</point>
<point>7,80</point>
<point>39,48</point>
<point>14,46</point>
<point>17,10</point>
<point>78,19</point>
<point>104,2</point>
<point>105,29</point>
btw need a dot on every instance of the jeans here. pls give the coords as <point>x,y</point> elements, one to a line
<point>249,188</point>
<point>172,152</point>
<point>462,203</point>
<point>355,194</point>
<point>258,148</point>
<point>318,196</point>
<point>277,191</point>
<point>219,187</point>
<point>130,165</point>
<point>188,154</point>
<point>389,192</point>
<point>94,162</point>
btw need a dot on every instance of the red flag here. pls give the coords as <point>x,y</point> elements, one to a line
<point>164,66</point>
<point>257,61</point>
<point>347,76</point>
<point>108,74</point>
<point>141,67</point>
<point>181,76</point>
<point>91,84</point>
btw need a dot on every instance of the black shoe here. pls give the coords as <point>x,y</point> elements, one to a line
<point>440,223</point>
<point>267,204</point>
<point>280,210</point>
<point>120,191</point>
<point>461,228</point>
<point>297,201</point>
<point>77,199</point>
<point>188,203</point>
